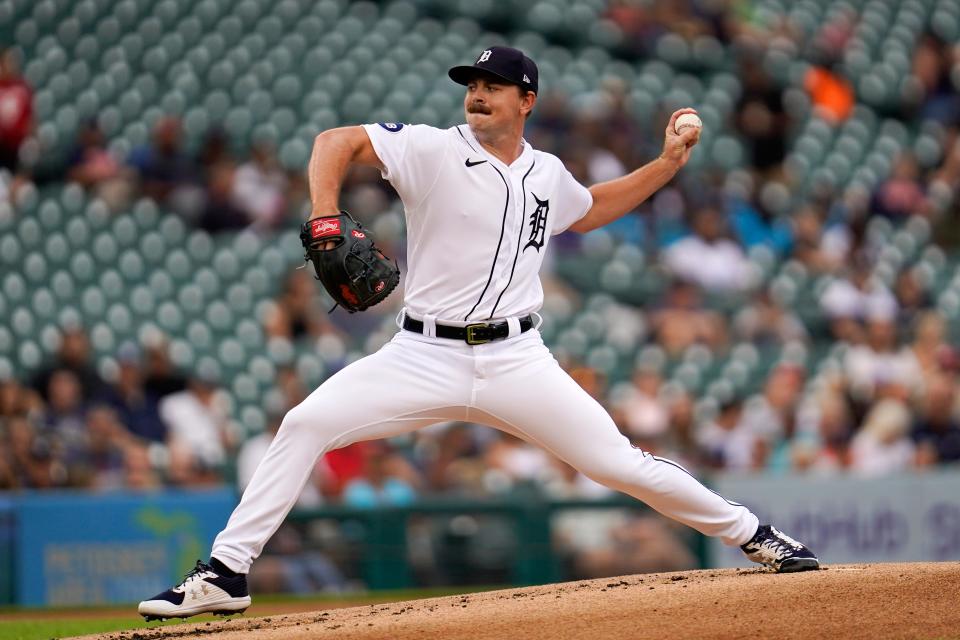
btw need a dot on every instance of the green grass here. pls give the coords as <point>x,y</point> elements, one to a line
<point>43,629</point>
<point>44,624</point>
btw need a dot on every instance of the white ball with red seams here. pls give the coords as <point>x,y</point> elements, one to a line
<point>687,120</point>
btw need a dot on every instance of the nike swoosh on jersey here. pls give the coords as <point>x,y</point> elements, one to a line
<point>473,164</point>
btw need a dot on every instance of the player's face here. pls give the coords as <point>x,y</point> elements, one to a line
<point>492,105</point>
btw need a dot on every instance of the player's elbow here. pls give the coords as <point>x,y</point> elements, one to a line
<point>353,142</point>
<point>585,224</point>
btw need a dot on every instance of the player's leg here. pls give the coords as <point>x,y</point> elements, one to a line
<point>406,385</point>
<point>540,401</point>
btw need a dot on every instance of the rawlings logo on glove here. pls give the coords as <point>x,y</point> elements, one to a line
<point>353,271</point>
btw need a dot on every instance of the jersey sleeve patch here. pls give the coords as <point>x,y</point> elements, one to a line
<point>392,127</point>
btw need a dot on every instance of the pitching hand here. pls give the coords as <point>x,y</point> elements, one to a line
<point>676,147</point>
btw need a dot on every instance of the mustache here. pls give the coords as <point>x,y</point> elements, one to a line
<point>476,107</point>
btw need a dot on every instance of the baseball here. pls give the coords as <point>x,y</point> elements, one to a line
<point>687,120</point>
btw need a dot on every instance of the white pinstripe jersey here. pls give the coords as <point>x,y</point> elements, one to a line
<point>477,229</point>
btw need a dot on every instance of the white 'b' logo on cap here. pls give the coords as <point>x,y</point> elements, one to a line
<point>484,56</point>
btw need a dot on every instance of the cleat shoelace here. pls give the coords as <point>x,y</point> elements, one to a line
<point>780,544</point>
<point>200,571</point>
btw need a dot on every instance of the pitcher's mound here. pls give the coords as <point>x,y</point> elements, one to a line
<point>840,601</point>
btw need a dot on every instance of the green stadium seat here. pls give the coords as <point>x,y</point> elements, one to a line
<point>179,265</point>
<point>245,388</point>
<point>219,317</point>
<point>120,320</point>
<point>102,339</point>
<point>280,351</point>
<point>170,318</point>
<point>191,299</point>
<point>35,268</point>
<point>112,284</point>
<point>143,301</point>
<point>258,280</point>
<point>43,304</point>
<point>181,354</point>
<point>29,355</point>
<point>249,333</point>
<point>93,303</point>
<point>131,266</point>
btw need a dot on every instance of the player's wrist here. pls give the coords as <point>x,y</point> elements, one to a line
<point>323,212</point>
<point>668,162</point>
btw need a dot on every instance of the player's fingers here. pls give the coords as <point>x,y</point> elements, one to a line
<point>690,136</point>
<point>677,114</point>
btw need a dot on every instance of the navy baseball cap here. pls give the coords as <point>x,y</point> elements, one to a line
<point>504,62</point>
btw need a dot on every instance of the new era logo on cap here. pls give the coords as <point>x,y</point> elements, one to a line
<point>505,62</point>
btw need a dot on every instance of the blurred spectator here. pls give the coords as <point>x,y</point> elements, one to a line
<point>880,362</point>
<point>755,226</point>
<point>105,464</point>
<point>854,298</point>
<point>167,174</point>
<point>160,376</point>
<point>810,247</point>
<point>451,458</point>
<point>707,258</point>
<point>72,355</point>
<point>772,416</point>
<point>510,460</point>
<point>760,115</point>
<point>597,543</point>
<point>682,321</point>
<point>681,442</point>
<point>645,418</point>
<point>929,343</point>
<point>342,466</point>
<point>297,312</point>
<point>590,380</point>
<point>902,194</point>
<point>765,322</point>
<point>259,188</point>
<point>728,441</point>
<point>220,213</point>
<point>933,63</point>
<point>139,472</point>
<point>95,168</point>
<point>826,449</point>
<point>912,297</point>
<point>16,110</point>
<point>137,408</point>
<point>883,444</point>
<point>64,421</point>
<point>17,400</point>
<point>388,480</point>
<point>200,431</point>
<point>832,95</point>
<point>937,432</point>
<point>215,149</point>
<point>31,457</point>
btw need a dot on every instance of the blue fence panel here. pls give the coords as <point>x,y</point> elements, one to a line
<point>81,549</point>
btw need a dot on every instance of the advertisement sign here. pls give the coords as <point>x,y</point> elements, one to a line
<point>904,518</point>
<point>82,549</point>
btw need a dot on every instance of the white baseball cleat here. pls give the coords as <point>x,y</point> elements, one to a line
<point>775,549</point>
<point>203,590</point>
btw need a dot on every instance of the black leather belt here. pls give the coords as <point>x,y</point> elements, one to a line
<point>477,333</point>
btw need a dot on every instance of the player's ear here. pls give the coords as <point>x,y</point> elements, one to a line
<point>527,101</point>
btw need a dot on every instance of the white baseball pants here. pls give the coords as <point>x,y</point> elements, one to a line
<point>514,385</point>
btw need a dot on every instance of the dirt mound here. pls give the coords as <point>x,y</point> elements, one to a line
<point>875,601</point>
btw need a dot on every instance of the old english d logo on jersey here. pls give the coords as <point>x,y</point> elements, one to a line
<point>538,224</point>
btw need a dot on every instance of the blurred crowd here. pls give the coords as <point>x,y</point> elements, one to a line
<point>892,405</point>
